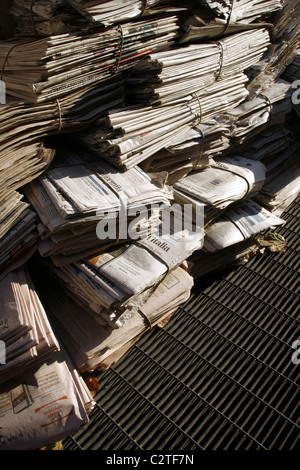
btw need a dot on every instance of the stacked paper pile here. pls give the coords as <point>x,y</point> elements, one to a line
<point>39,70</point>
<point>242,10</point>
<point>130,135</point>
<point>44,405</point>
<point>25,328</point>
<point>189,85</point>
<point>78,194</point>
<point>285,41</point>
<point>18,232</point>
<point>192,151</point>
<point>225,181</point>
<point>97,346</point>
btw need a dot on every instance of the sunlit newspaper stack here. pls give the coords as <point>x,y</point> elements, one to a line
<point>169,75</point>
<point>113,283</point>
<point>24,327</point>
<point>18,232</point>
<point>78,194</point>
<point>95,346</point>
<point>192,151</point>
<point>282,185</point>
<point>227,180</point>
<point>44,406</point>
<point>39,70</point>
<point>240,221</point>
<point>132,134</point>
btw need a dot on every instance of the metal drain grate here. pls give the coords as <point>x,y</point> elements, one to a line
<point>220,375</point>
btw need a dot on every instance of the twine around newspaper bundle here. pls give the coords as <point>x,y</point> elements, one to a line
<point>143,7</point>
<point>116,67</point>
<point>237,174</point>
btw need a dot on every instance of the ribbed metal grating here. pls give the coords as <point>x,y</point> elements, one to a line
<point>219,375</point>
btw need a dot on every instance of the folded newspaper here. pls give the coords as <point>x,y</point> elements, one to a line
<point>240,221</point>
<point>227,180</point>
<point>43,406</point>
<point>24,326</point>
<point>95,346</point>
<point>85,205</point>
<point>113,283</point>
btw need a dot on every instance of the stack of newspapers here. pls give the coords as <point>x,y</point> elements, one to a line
<point>239,222</point>
<point>192,151</point>
<point>130,135</point>
<point>144,145</point>
<point>78,196</point>
<point>285,42</point>
<point>242,10</point>
<point>170,75</point>
<point>25,329</point>
<point>116,281</point>
<point>226,180</point>
<point>97,346</point>
<point>29,418</point>
<point>18,232</point>
<point>45,69</point>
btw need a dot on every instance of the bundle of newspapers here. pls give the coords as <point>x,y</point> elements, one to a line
<point>25,329</point>
<point>192,151</point>
<point>44,405</point>
<point>18,232</point>
<point>39,70</point>
<point>257,112</point>
<point>242,10</point>
<point>116,281</point>
<point>226,180</point>
<point>97,346</point>
<point>130,135</point>
<point>200,23</point>
<point>85,205</point>
<point>170,75</point>
<point>240,221</point>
